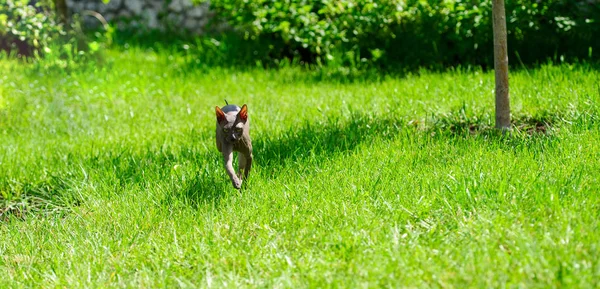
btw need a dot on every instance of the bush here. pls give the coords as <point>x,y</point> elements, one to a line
<point>27,29</point>
<point>32,31</point>
<point>441,33</point>
<point>312,30</point>
<point>412,32</point>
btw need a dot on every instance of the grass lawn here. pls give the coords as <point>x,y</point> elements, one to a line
<point>110,177</point>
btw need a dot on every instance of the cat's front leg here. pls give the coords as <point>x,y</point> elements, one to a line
<point>228,158</point>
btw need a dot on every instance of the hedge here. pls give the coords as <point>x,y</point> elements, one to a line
<point>412,32</point>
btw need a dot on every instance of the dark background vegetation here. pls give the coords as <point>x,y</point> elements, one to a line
<point>432,33</point>
<point>385,35</point>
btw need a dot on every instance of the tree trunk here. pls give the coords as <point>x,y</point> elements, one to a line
<point>61,10</point>
<point>501,65</point>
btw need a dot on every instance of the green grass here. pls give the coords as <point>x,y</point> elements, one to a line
<point>110,178</point>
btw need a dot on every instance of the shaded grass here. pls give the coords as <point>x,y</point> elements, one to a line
<point>323,138</point>
<point>397,182</point>
<point>53,195</point>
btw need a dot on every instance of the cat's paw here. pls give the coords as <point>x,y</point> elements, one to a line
<point>237,183</point>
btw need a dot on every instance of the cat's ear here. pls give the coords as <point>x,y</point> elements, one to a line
<point>220,114</point>
<point>243,114</point>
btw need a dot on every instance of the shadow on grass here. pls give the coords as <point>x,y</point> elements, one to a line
<point>206,188</point>
<point>462,122</point>
<point>53,195</point>
<point>323,139</point>
<point>313,142</point>
<point>233,51</point>
<point>320,140</point>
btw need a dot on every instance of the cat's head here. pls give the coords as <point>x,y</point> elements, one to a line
<point>232,123</point>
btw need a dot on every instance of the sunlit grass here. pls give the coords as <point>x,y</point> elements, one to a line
<point>110,177</point>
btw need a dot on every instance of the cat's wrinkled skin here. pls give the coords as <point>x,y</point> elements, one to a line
<point>233,135</point>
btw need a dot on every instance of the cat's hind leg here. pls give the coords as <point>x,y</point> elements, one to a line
<point>241,165</point>
<point>248,159</point>
<point>245,164</point>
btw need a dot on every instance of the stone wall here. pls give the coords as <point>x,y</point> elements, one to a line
<point>176,15</point>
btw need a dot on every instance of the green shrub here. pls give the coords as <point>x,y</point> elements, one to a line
<point>411,32</point>
<point>458,32</point>
<point>27,29</point>
<point>32,31</point>
<point>312,30</point>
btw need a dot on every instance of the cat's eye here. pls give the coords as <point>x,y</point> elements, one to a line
<point>225,130</point>
<point>238,129</point>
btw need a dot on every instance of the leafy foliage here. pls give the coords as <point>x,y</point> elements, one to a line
<point>412,32</point>
<point>455,32</point>
<point>33,31</point>
<point>27,29</point>
<point>313,30</point>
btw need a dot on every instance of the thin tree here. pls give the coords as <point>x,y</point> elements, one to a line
<point>501,65</point>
